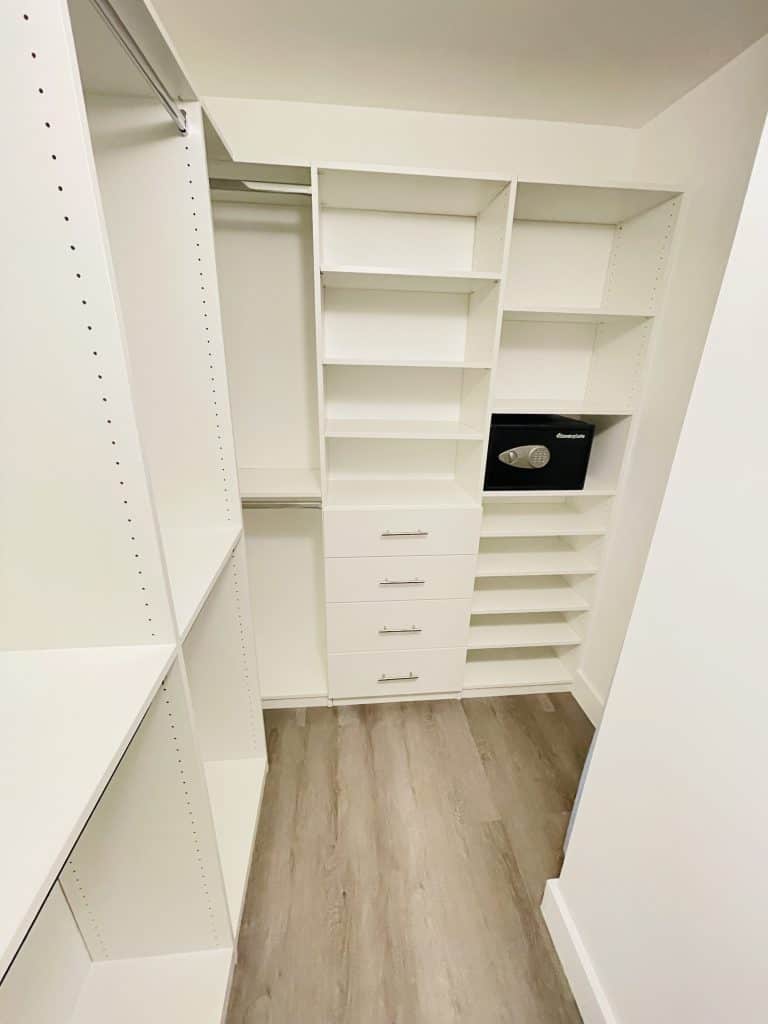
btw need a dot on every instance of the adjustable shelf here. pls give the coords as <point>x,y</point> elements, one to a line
<point>533,556</point>
<point>195,558</point>
<point>442,430</point>
<point>526,594</point>
<point>400,279</point>
<point>429,364</point>
<point>574,314</point>
<point>68,717</point>
<point>551,519</point>
<point>235,788</point>
<point>523,667</point>
<point>560,407</point>
<point>279,484</point>
<point>527,630</point>
<point>590,490</point>
<point>189,987</point>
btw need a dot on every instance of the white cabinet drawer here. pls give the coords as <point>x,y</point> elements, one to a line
<point>400,579</point>
<point>396,625</point>
<point>401,532</point>
<point>396,673</point>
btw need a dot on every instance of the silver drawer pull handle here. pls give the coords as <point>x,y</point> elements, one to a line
<point>397,679</point>
<point>405,533</point>
<point>415,582</point>
<point>403,629</point>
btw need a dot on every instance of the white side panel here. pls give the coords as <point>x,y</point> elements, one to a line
<point>51,968</point>
<point>264,258</point>
<point>77,505</point>
<point>553,264</point>
<point>155,189</point>
<point>221,669</point>
<point>639,259</point>
<point>284,550</point>
<point>491,233</point>
<point>145,879</point>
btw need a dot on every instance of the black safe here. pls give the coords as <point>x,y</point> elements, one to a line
<point>537,453</point>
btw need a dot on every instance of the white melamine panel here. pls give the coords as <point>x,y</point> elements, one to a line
<point>498,596</point>
<point>413,241</point>
<point>284,550</point>
<point>491,232</point>
<point>573,516</point>
<point>396,625</point>
<point>553,264</point>
<point>526,666</point>
<point>438,402</point>
<point>379,188</point>
<point>279,484</point>
<point>264,260</point>
<point>391,674</point>
<point>67,718</point>
<point>190,987</point>
<point>537,556</point>
<point>235,788</point>
<point>43,985</point>
<point>639,259</point>
<point>403,531</point>
<point>144,878</point>
<point>395,278</point>
<point>393,492</point>
<point>154,187</point>
<point>399,578</point>
<point>220,661</point>
<point>387,325</point>
<point>195,557</point>
<point>76,502</point>
<point>585,204</point>
<point>409,462</point>
<point>543,629</point>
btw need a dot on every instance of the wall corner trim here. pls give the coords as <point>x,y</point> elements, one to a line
<point>579,970</point>
<point>587,698</point>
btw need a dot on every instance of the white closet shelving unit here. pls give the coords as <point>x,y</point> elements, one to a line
<point>132,751</point>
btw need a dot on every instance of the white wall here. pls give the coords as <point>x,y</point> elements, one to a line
<point>707,141</point>
<point>663,885</point>
<point>282,132</point>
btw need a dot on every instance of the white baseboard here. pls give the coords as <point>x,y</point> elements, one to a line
<point>587,698</point>
<point>579,970</point>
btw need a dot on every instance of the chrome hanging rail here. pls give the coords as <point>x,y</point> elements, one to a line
<point>118,28</point>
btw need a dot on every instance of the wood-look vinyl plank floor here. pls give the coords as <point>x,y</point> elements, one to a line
<point>400,861</point>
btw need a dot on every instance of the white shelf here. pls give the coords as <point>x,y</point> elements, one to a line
<point>553,560</point>
<point>532,667</point>
<point>402,492</point>
<point>560,407</point>
<point>235,789</point>
<point>195,558</point>
<point>588,491</point>
<point>604,203</point>
<point>403,280</point>
<point>437,430</point>
<point>67,717</point>
<point>429,364</point>
<point>528,594</point>
<point>553,520</point>
<point>278,484</point>
<point>575,314</point>
<point>188,987</point>
<point>547,630</point>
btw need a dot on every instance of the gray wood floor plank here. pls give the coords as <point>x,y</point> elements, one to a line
<point>399,861</point>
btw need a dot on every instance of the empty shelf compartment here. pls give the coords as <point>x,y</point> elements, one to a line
<point>523,667</point>
<point>536,556</point>
<point>499,596</point>
<point>559,517</point>
<point>549,629</point>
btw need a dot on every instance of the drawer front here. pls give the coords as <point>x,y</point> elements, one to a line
<point>399,672</point>
<point>400,579</point>
<point>402,532</point>
<point>396,625</point>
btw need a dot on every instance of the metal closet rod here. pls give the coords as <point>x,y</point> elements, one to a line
<point>247,185</point>
<point>118,28</point>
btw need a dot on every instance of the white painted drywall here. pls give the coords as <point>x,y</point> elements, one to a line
<point>707,141</point>
<point>664,877</point>
<point>281,132</point>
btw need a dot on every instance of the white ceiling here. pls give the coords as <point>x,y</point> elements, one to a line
<point>596,61</point>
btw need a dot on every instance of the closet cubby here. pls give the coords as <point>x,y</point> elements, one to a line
<point>527,668</point>
<point>537,556</point>
<point>524,594</point>
<point>588,249</point>
<point>524,629</point>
